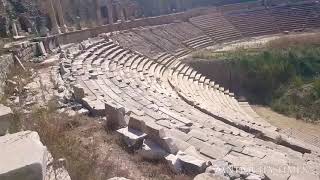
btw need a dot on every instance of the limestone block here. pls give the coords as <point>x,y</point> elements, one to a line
<point>96,107</point>
<point>40,49</point>
<point>78,92</point>
<point>23,157</point>
<point>135,122</point>
<point>169,145</point>
<point>153,130</point>
<point>199,135</point>
<point>213,151</point>
<point>6,117</point>
<point>115,114</point>
<point>190,163</point>
<point>174,163</point>
<point>151,150</point>
<point>173,145</point>
<point>132,137</point>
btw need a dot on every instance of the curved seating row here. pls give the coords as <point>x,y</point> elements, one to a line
<point>150,90</point>
<point>216,26</point>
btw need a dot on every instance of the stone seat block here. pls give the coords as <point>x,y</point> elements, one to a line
<point>96,107</point>
<point>23,157</point>
<point>6,117</point>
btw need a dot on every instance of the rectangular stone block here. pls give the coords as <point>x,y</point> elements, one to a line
<point>23,157</point>
<point>6,116</point>
<point>115,115</point>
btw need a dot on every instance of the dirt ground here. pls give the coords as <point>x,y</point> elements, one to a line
<point>254,42</point>
<point>285,122</point>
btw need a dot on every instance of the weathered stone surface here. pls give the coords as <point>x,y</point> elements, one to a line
<point>96,107</point>
<point>56,170</point>
<point>190,164</point>
<point>23,157</point>
<point>136,122</point>
<point>152,151</point>
<point>198,134</point>
<point>214,151</point>
<point>115,115</point>
<point>6,116</point>
<point>132,137</point>
<point>209,176</point>
<point>78,92</point>
<point>169,145</point>
<point>174,163</point>
<point>222,168</point>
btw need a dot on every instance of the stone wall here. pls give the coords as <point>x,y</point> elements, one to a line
<point>25,52</point>
<point>6,61</point>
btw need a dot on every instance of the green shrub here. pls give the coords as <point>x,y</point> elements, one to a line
<point>316,88</point>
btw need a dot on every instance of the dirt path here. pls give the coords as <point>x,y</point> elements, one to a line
<point>303,130</point>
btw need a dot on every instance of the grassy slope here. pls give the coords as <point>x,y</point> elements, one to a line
<point>285,74</point>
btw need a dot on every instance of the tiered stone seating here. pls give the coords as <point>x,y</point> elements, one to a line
<point>163,43</point>
<point>135,42</point>
<point>254,23</point>
<point>112,76</point>
<point>297,16</point>
<point>177,39</point>
<point>188,34</point>
<point>303,136</point>
<point>202,92</point>
<point>199,42</point>
<point>217,27</point>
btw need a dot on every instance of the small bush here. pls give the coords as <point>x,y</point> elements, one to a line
<point>316,88</point>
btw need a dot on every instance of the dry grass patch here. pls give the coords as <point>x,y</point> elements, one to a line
<point>296,40</point>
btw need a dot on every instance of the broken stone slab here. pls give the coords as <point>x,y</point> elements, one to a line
<point>23,156</point>
<point>151,150</point>
<point>222,168</point>
<point>6,117</point>
<point>174,163</point>
<point>173,145</point>
<point>132,137</point>
<point>191,164</point>
<point>209,176</point>
<point>115,115</point>
<point>169,145</point>
<point>96,107</point>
